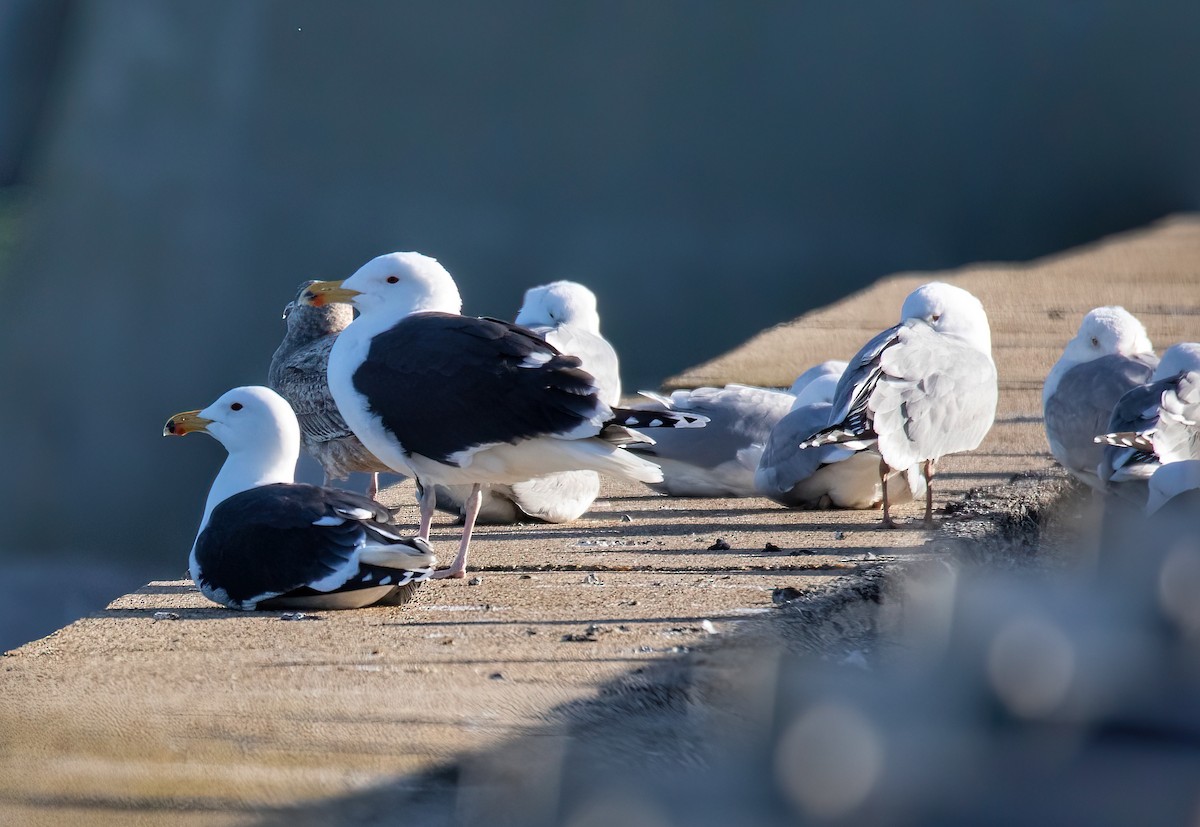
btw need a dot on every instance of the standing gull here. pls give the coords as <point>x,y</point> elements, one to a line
<point>918,391</point>
<point>298,374</point>
<point>565,314</point>
<point>266,542</point>
<point>455,400</point>
<point>1109,356</point>
<point>1147,414</point>
<point>828,476</point>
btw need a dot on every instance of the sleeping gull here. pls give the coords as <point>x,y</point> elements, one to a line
<point>266,542</point>
<point>297,373</point>
<point>455,400</point>
<point>1131,455</point>
<point>828,476</point>
<point>1109,356</point>
<point>719,460</point>
<point>918,391</point>
<point>565,314</point>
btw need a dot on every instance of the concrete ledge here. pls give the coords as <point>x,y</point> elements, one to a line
<point>166,710</point>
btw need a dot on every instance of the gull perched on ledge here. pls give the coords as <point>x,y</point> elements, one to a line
<point>565,314</point>
<point>918,391</point>
<point>298,374</point>
<point>266,542</point>
<point>456,400</point>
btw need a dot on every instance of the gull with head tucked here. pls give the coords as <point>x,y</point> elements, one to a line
<point>918,391</point>
<point>1109,356</point>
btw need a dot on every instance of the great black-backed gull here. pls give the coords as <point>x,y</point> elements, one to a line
<point>565,314</point>
<point>1109,356</point>
<point>918,391</point>
<point>298,374</point>
<point>456,400</point>
<point>266,542</point>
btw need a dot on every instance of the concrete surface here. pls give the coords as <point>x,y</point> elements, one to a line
<point>163,709</point>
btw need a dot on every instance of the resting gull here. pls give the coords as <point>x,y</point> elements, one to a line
<point>267,542</point>
<point>828,476</point>
<point>565,314</point>
<point>719,460</point>
<point>455,400</point>
<point>1175,489</point>
<point>918,391</point>
<point>1132,455</point>
<point>1109,356</point>
<point>297,373</point>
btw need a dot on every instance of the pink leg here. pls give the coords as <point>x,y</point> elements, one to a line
<point>888,522</point>
<point>929,494</point>
<point>458,568</point>
<point>427,502</point>
<point>373,487</point>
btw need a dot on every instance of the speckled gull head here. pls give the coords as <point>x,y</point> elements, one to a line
<point>1181,358</point>
<point>308,321</point>
<point>951,311</point>
<point>560,302</point>
<point>392,285</point>
<point>1107,331</point>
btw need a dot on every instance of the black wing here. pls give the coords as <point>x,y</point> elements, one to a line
<point>265,542</point>
<point>443,383</point>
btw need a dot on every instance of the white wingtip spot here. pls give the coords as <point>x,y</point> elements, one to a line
<point>329,520</point>
<point>656,423</point>
<point>534,360</point>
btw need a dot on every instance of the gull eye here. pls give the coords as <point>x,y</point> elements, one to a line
<point>236,406</point>
<point>393,279</point>
<point>1095,342</point>
<point>935,316</point>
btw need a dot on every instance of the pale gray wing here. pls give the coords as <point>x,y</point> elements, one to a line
<point>1082,405</point>
<point>1177,436</point>
<point>935,396</point>
<point>851,421</point>
<point>300,378</point>
<point>1135,415</point>
<point>597,355</point>
<point>739,416</point>
<point>783,463</point>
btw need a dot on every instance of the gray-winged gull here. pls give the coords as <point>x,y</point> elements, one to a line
<point>1109,356</point>
<point>1131,455</point>
<point>266,542</point>
<point>298,374</point>
<point>918,391</point>
<point>456,400</point>
<point>827,476</point>
<point>1177,485</point>
<point>565,314</point>
<point>719,460</point>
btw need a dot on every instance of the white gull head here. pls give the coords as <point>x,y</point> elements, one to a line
<point>560,302</point>
<point>397,284</point>
<point>259,430</point>
<point>1104,331</point>
<point>951,311</point>
<point>1181,358</point>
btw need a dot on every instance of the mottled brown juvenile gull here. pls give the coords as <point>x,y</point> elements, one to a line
<point>565,314</point>
<point>918,391</point>
<point>298,374</point>
<point>455,400</point>
<point>267,542</point>
<point>1109,356</point>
